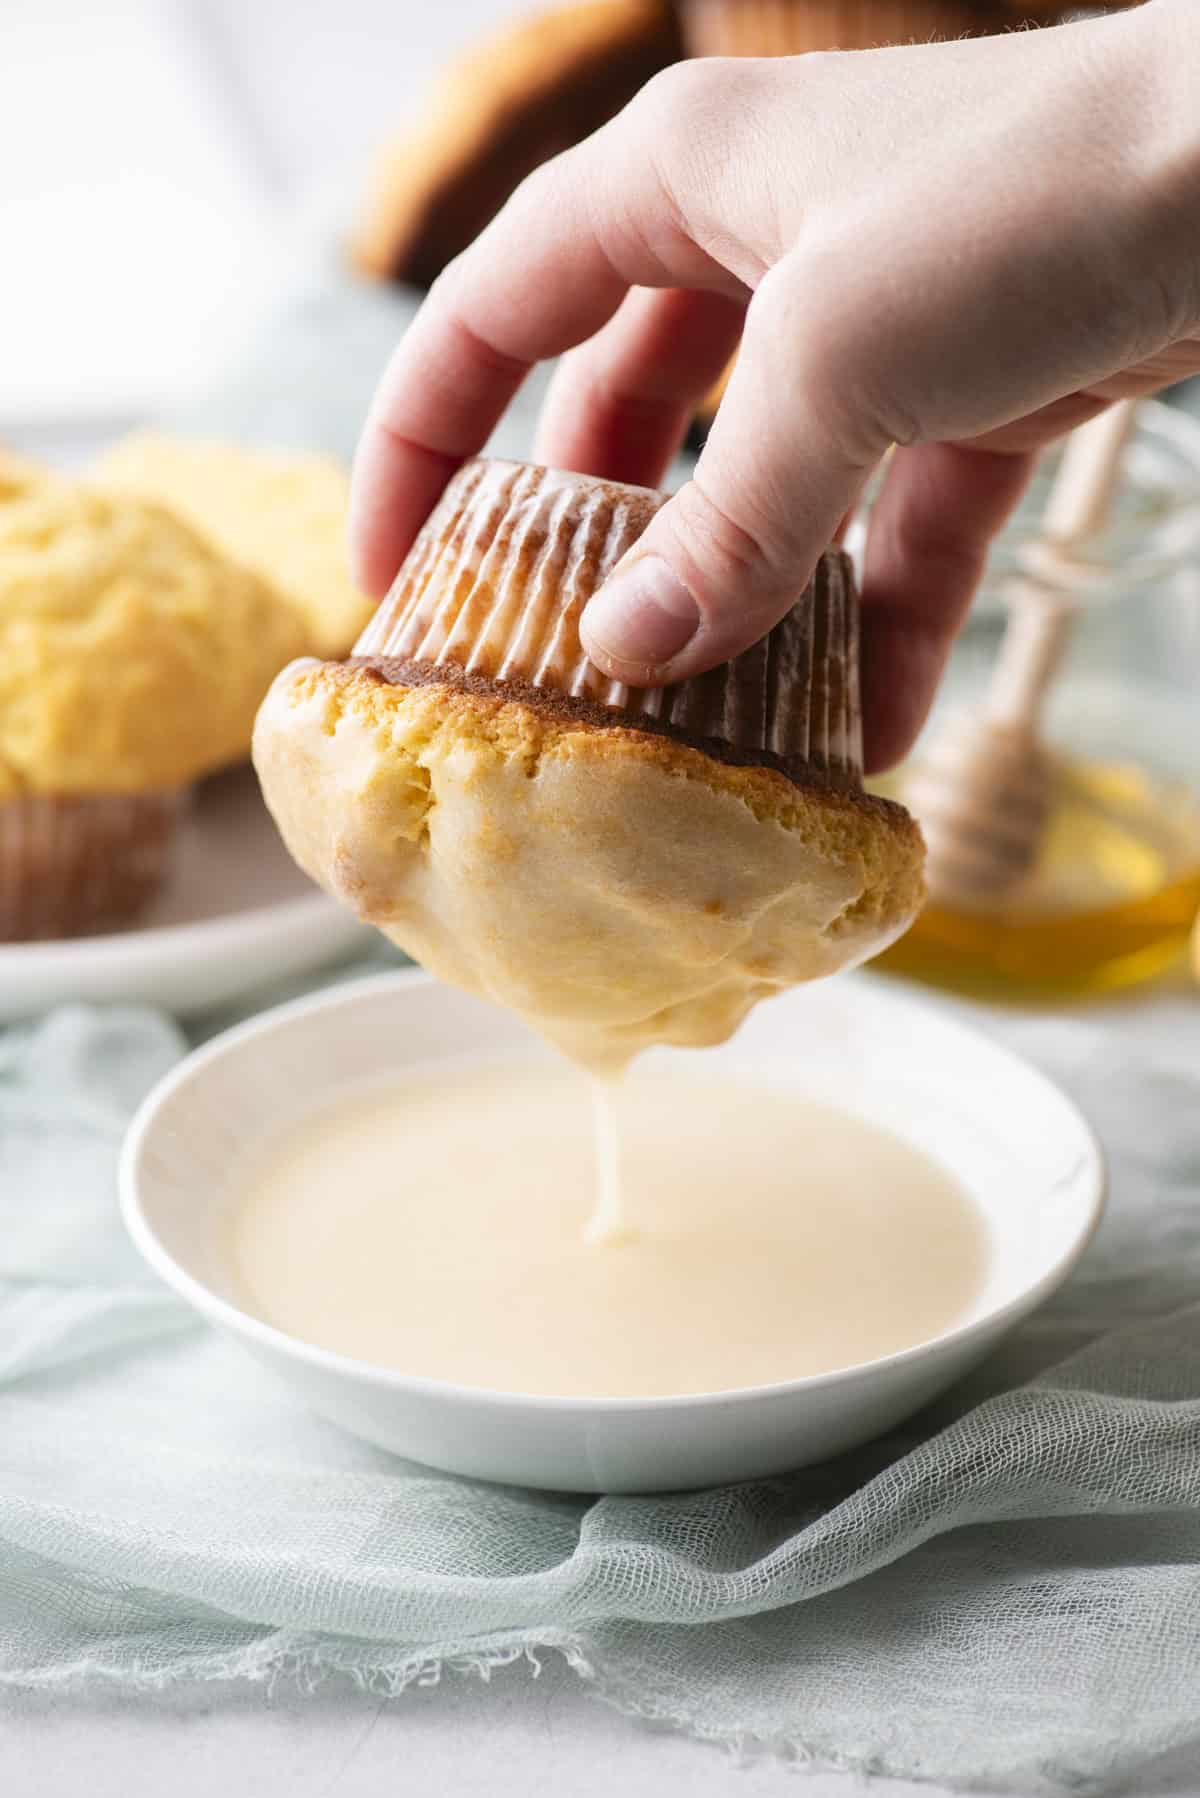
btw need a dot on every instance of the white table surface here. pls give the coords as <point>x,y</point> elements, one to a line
<point>518,1737</point>
<point>253,112</point>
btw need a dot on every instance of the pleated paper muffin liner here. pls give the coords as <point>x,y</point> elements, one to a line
<point>72,865</point>
<point>495,587</point>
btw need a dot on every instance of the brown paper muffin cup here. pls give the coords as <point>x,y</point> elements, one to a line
<point>72,865</point>
<point>790,27</point>
<point>492,594</point>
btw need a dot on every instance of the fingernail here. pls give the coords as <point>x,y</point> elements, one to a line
<point>642,618</point>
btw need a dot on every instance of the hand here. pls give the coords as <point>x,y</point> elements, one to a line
<point>962,249</point>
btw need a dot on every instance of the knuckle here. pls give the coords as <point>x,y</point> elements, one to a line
<point>447,283</point>
<point>686,120</point>
<point>466,338</point>
<point>541,186</point>
<point>677,150</point>
<point>724,541</point>
<point>673,99</point>
<point>554,188</point>
<point>815,309</point>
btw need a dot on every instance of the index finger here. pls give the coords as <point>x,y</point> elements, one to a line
<point>547,273</point>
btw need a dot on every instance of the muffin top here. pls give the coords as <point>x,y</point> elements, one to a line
<point>283,515</point>
<point>132,653</point>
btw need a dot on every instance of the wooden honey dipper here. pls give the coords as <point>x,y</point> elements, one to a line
<point>985,790</point>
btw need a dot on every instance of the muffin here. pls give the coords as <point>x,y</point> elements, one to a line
<point>19,476</point>
<point>537,87</point>
<point>621,867</point>
<point>132,658</point>
<point>789,27</point>
<point>282,515</point>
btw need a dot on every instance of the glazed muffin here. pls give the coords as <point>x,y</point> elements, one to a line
<point>282,515</point>
<point>518,98</point>
<point>621,867</point>
<point>132,658</point>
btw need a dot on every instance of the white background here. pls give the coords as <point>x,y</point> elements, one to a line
<point>154,154</point>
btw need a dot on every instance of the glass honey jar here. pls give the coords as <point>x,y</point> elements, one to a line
<point>1113,892</point>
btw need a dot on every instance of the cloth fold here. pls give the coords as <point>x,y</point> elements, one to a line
<point>1004,1592</point>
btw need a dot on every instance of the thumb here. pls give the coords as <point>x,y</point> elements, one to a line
<point>732,551</point>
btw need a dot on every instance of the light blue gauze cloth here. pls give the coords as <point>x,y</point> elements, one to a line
<point>1007,1591</point>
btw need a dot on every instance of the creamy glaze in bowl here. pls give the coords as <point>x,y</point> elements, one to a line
<point>1017,1145</point>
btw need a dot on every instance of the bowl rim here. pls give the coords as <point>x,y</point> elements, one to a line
<point>1093,1170</point>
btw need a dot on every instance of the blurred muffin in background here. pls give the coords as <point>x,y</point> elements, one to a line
<point>522,95</point>
<point>133,656</point>
<point>282,515</point>
<point>551,78</point>
<point>18,476</point>
<point>790,27</point>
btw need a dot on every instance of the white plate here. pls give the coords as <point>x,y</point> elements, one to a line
<point>1017,1144</point>
<point>236,914</point>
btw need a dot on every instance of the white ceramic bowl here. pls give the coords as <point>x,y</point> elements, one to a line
<point>1018,1145</point>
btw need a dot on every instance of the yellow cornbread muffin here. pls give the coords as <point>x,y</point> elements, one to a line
<point>283,515</point>
<point>132,658</point>
<point>622,868</point>
<point>17,476</point>
<point>617,888</point>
